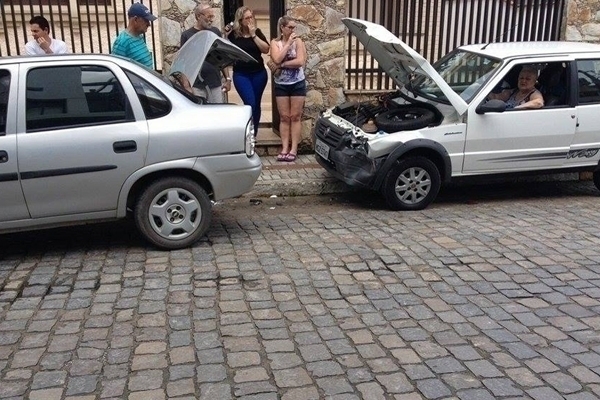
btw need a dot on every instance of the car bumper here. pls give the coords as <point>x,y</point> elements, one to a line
<point>348,164</point>
<point>351,167</point>
<point>231,175</point>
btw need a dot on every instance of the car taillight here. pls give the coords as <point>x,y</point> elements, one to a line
<point>250,139</point>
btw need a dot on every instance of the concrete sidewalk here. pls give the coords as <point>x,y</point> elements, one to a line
<point>299,178</point>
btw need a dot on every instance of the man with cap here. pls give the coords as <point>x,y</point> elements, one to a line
<point>130,43</point>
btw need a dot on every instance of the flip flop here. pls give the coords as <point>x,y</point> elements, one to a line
<point>290,157</point>
<point>282,157</point>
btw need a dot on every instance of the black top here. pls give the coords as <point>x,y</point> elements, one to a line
<point>209,73</point>
<point>250,47</point>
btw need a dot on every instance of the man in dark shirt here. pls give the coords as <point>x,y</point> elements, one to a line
<point>208,84</point>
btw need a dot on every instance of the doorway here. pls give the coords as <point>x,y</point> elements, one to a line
<point>267,12</point>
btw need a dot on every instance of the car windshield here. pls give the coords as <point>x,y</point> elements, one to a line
<point>464,71</point>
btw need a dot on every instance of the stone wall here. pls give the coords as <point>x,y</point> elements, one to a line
<point>321,28</point>
<point>583,20</point>
<point>175,17</point>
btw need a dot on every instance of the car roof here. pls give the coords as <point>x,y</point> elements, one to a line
<point>528,49</point>
<point>64,57</point>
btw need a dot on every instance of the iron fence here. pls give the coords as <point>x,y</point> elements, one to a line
<point>86,26</point>
<point>434,27</point>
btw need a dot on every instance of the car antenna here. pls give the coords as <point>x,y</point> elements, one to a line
<point>501,36</point>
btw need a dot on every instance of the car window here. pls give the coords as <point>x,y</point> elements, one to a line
<point>588,73</point>
<point>551,82</point>
<point>74,96</point>
<point>4,89</point>
<point>154,103</point>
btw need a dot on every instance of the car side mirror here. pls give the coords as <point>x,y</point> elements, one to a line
<point>494,105</point>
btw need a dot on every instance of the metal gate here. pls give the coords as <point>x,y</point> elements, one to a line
<point>434,27</point>
<point>87,26</point>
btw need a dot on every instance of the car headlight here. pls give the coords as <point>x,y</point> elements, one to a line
<point>250,139</point>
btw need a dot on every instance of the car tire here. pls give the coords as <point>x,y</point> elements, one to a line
<point>597,179</point>
<point>404,119</point>
<point>412,184</point>
<point>173,213</point>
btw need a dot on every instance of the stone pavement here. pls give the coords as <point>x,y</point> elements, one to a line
<point>494,298</point>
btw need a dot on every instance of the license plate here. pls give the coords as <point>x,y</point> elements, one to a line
<point>322,149</point>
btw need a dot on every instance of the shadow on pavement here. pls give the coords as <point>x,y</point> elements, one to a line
<point>464,193</point>
<point>113,236</point>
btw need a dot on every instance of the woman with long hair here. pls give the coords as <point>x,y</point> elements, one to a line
<point>288,56</point>
<point>249,78</point>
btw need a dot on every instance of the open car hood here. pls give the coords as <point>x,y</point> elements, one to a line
<point>205,46</point>
<point>398,59</point>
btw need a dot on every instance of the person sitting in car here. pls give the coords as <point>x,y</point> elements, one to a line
<point>525,95</point>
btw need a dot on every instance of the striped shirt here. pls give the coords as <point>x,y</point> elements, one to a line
<point>133,47</point>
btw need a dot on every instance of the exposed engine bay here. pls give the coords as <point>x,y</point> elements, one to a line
<point>386,114</point>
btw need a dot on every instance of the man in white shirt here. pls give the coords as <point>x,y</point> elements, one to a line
<point>42,43</point>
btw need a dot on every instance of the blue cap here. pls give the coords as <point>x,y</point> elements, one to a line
<point>140,10</point>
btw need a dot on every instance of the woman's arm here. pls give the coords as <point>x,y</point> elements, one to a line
<point>300,59</point>
<point>503,95</point>
<point>278,54</point>
<point>261,41</point>
<point>536,101</point>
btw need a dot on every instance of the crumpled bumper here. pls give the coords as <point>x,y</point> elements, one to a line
<point>351,165</point>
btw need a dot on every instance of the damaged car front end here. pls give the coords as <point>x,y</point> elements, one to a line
<point>360,142</point>
<point>354,147</point>
<point>342,150</point>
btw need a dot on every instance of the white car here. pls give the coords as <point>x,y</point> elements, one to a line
<point>90,137</point>
<point>441,125</point>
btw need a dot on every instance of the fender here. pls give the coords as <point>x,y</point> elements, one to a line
<point>186,163</point>
<point>410,146</point>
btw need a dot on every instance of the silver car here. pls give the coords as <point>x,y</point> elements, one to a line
<point>89,137</point>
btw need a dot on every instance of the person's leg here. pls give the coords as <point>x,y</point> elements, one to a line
<point>296,108</point>
<point>215,95</point>
<point>259,83</point>
<point>200,92</point>
<point>283,106</point>
<point>243,85</point>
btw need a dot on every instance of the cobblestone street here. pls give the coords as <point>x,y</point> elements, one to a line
<point>481,296</point>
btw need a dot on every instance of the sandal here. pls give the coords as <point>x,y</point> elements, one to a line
<point>290,157</point>
<point>282,157</point>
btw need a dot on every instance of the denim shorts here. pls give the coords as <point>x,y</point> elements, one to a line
<point>295,89</point>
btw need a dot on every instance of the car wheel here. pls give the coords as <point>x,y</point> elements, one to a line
<point>404,118</point>
<point>173,213</point>
<point>597,179</point>
<point>412,184</point>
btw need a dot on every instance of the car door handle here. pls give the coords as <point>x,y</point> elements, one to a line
<point>3,156</point>
<point>125,146</point>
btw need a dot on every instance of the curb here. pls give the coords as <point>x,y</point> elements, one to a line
<point>297,187</point>
<point>306,177</point>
